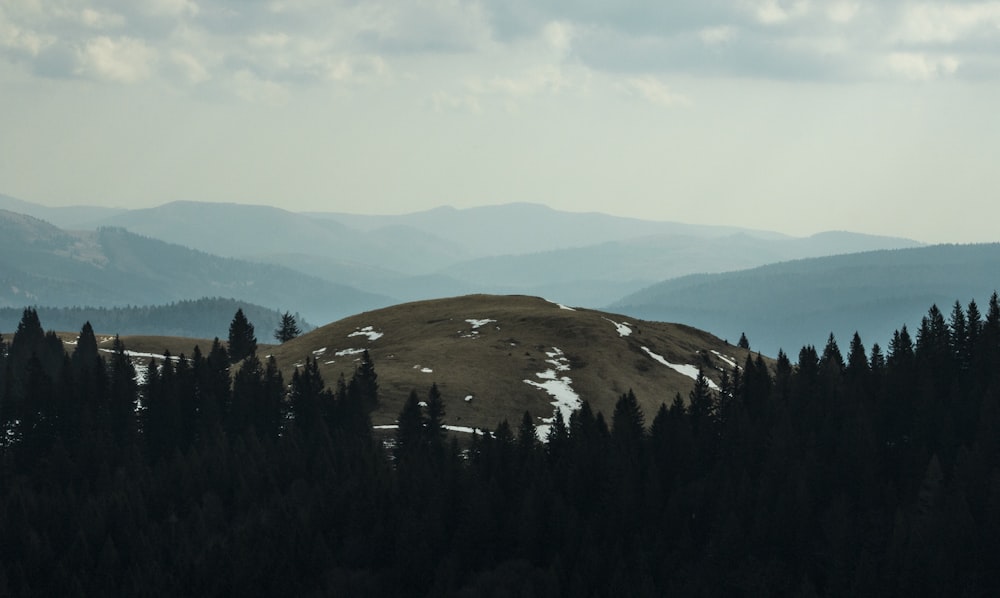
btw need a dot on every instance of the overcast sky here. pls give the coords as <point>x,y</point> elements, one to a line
<point>798,116</point>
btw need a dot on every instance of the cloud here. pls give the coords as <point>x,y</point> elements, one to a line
<point>921,67</point>
<point>97,19</point>
<point>125,60</point>
<point>654,91</point>
<point>517,45</point>
<point>251,88</point>
<point>948,23</point>
<point>190,68</point>
<point>714,36</point>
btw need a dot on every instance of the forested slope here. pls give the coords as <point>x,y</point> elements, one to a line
<point>874,473</point>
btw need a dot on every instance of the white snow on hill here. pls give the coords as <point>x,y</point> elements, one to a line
<point>729,360</point>
<point>622,327</point>
<point>462,429</point>
<point>688,370</point>
<point>368,331</point>
<point>558,387</point>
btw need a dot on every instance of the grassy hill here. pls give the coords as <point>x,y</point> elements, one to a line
<point>498,350</point>
<point>492,357</point>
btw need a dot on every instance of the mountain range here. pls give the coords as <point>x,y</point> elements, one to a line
<point>782,291</point>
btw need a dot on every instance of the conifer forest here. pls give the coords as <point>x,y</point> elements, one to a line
<point>869,471</point>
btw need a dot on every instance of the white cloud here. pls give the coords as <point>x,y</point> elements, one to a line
<point>655,91</point>
<point>948,23</point>
<point>714,36</point>
<point>539,80</point>
<point>344,68</point>
<point>23,40</point>
<point>921,67</point>
<point>96,19</point>
<point>173,8</point>
<point>559,36</point>
<point>446,102</point>
<point>251,88</point>
<point>269,40</point>
<point>842,12</point>
<point>775,12</point>
<point>125,59</point>
<point>191,68</point>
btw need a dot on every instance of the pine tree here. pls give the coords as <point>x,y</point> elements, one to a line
<point>434,421</point>
<point>242,341</point>
<point>287,329</point>
<point>410,430</point>
<point>367,381</point>
<point>122,395</point>
<point>743,342</point>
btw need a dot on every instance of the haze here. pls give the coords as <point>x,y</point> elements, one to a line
<point>792,116</point>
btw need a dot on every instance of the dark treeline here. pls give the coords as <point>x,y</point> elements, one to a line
<point>877,473</point>
<point>201,318</point>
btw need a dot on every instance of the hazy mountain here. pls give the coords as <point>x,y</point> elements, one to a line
<point>582,258</point>
<point>41,264</point>
<point>518,228</point>
<point>598,274</point>
<point>249,231</point>
<point>71,217</point>
<point>801,302</point>
<point>511,354</point>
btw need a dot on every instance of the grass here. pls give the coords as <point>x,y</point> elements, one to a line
<point>491,362</point>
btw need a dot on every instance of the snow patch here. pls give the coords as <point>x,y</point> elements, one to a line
<point>368,331</point>
<point>479,323</point>
<point>462,429</point>
<point>622,327</point>
<point>561,306</point>
<point>142,355</point>
<point>468,398</point>
<point>423,369</point>
<point>331,362</point>
<point>688,370</point>
<point>344,352</point>
<point>731,362</point>
<point>422,403</point>
<point>559,388</point>
<point>319,352</point>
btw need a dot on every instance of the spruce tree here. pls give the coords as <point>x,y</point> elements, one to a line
<point>242,341</point>
<point>287,329</point>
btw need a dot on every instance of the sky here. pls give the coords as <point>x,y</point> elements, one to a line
<point>792,115</point>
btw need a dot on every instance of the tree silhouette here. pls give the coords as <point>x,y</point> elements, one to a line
<point>287,329</point>
<point>242,341</point>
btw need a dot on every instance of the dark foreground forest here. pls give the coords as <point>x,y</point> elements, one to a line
<point>877,473</point>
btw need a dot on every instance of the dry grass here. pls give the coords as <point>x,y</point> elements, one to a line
<point>492,364</point>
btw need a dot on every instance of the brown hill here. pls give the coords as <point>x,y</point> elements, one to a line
<point>494,357</point>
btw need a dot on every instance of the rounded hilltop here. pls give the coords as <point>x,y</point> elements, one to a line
<point>495,357</point>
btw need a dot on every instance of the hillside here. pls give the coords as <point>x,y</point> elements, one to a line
<point>511,354</point>
<point>787,305</point>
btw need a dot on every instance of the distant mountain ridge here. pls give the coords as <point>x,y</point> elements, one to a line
<point>583,258</point>
<point>328,265</point>
<point>799,302</point>
<point>41,264</point>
